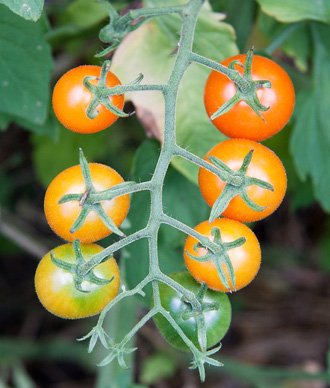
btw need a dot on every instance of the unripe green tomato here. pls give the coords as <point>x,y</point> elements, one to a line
<point>217,321</point>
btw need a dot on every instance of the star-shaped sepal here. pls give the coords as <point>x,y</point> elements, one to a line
<point>91,200</point>
<point>75,270</point>
<point>237,184</point>
<point>217,253</point>
<point>203,358</point>
<point>246,89</point>
<point>198,314</point>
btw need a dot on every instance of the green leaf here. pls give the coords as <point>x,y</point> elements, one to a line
<point>25,68</point>
<point>177,190</point>
<point>234,9</point>
<point>4,121</point>
<point>325,258</point>
<point>156,367</point>
<point>298,47</point>
<point>50,127</point>
<point>27,9</point>
<point>157,41</point>
<point>15,349</point>
<point>310,148</point>
<point>51,157</point>
<point>85,13</point>
<point>310,142</point>
<point>294,40</point>
<point>289,11</point>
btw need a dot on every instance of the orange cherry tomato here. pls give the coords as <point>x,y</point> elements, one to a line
<point>241,121</point>
<point>245,259</point>
<point>265,165</point>
<point>61,217</point>
<point>71,99</point>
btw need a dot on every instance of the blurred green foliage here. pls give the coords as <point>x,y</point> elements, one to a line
<point>38,48</point>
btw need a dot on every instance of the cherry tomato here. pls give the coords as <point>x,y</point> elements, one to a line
<point>265,165</point>
<point>241,121</point>
<point>245,258</point>
<point>61,217</point>
<point>56,290</point>
<point>71,99</point>
<point>217,320</point>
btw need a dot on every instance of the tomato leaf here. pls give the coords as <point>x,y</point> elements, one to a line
<point>27,9</point>
<point>65,147</point>
<point>288,11</point>
<point>310,141</point>
<point>297,39</point>
<point>84,13</point>
<point>157,41</point>
<point>177,189</point>
<point>310,148</point>
<point>25,67</point>
<point>4,121</point>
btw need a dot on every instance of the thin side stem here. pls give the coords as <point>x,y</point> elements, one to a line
<point>183,228</point>
<point>232,74</point>
<point>181,152</point>
<point>152,12</point>
<point>138,326</point>
<point>121,89</point>
<point>124,294</point>
<point>101,195</point>
<point>109,251</point>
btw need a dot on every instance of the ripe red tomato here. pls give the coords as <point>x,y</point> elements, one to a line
<point>71,99</point>
<point>61,217</point>
<point>241,121</point>
<point>245,258</point>
<point>56,290</point>
<point>264,165</point>
<point>217,320</point>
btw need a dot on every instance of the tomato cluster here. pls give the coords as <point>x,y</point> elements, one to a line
<point>56,275</point>
<point>241,179</point>
<point>249,181</point>
<point>248,184</point>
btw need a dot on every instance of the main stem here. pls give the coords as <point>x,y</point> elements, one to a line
<point>189,19</point>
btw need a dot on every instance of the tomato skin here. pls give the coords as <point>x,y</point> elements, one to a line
<point>217,321</point>
<point>264,165</point>
<point>56,290</point>
<point>241,121</point>
<point>246,259</point>
<point>61,217</point>
<point>71,99</point>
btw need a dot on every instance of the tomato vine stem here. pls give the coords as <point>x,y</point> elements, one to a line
<point>184,57</point>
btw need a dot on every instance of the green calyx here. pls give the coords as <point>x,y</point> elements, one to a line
<point>237,183</point>
<point>217,253</point>
<point>75,270</point>
<point>190,312</point>
<point>198,314</point>
<point>117,28</point>
<point>246,89</point>
<point>117,351</point>
<point>89,203</point>
<point>100,94</point>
